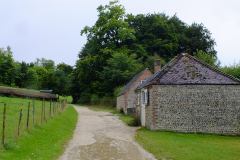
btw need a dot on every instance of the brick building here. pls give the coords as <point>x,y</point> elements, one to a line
<point>127,98</point>
<point>187,95</point>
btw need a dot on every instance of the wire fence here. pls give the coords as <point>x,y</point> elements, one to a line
<point>17,118</point>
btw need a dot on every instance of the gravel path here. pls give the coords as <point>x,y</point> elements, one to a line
<point>102,136</point>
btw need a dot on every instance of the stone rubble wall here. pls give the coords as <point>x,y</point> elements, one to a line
<point>194,108</point>
<point>120,102</point>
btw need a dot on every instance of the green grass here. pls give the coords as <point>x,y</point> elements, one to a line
<point>44,142</point>
<point>68,98</point>
<point>13,111</point>
<point>127,119</point>
<point>179,146</point>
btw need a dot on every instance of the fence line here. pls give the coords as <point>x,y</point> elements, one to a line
<point>31,114</point>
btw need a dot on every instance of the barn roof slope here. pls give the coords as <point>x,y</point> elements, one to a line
<point>186,69</point>
<point>131,82</point>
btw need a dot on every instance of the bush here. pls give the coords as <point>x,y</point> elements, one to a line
<point>108,101</point>
<point>94,99</point>
<point>84,99</point>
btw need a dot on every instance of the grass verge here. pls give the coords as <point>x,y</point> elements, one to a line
<point>37,116</point>
<point>179,146</point>
<point>45,142</point>
<point>127,119</point>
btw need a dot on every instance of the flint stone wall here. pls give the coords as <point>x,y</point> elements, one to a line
<point>194,108</point>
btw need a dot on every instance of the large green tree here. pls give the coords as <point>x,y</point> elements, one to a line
<point>158,34</point>
<point>110,33</point>
<point>119,45</point>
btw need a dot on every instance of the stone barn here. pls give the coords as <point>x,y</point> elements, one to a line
<point>127,98</point>
<point>188,95</point>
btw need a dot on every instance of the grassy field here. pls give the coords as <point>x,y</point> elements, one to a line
<point>127,119</point>
<point>14,106</point>
<point>44,142</point>
<point>178,146</point>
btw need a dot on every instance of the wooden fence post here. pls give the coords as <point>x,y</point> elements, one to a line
<point>50,109</point>
<point>19,121</point>
<point>53,108</point>
<point>4,123</point>
<point>28,114</point>
<point>42,113</point>
<point>44,109</point>
<point>33,111</point>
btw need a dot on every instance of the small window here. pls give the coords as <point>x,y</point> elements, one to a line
<point>138,99</point>
<point>145,97</point>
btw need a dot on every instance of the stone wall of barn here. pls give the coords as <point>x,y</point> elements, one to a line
<point>120,102</point>
<point>194,108</point>
<point>127,101</point>
<point>131,98</point>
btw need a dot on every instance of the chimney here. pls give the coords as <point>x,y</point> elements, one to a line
<point>157,65</point>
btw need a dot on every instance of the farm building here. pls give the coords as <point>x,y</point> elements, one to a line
<point>187,95</point>
<point>126,99</point>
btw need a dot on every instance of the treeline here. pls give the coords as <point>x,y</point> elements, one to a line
<point>41,74</point>
<point>119,45</point>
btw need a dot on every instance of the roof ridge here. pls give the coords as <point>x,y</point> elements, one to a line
<point>127,86</point>
<point>171,63</point>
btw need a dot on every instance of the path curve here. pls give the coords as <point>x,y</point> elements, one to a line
<point>102,136</point>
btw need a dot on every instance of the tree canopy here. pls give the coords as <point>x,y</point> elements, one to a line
<point>119,45</point>
<point>42,74</point>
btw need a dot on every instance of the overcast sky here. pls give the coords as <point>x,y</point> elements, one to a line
<point>51,28</point>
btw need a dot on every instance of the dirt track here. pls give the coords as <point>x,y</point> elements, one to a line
<point>102,136</point>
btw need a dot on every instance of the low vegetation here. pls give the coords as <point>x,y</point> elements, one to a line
<point>44,141</point>
<point>178,146</point>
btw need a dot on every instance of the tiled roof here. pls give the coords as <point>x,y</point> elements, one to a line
<point>129,84</point>
<point>186,69</point>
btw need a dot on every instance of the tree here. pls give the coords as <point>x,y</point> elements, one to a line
<point>233,70</point>
<point>7,68</point>
<point>117,37</point>
<point>21,76</point>
<point>67,69</point>
<point>62,79</point>
<point>109,33</point>
<point>210,59</point>
<point>121,67</point>
<point>158,34</point>
<point>46,63</point>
